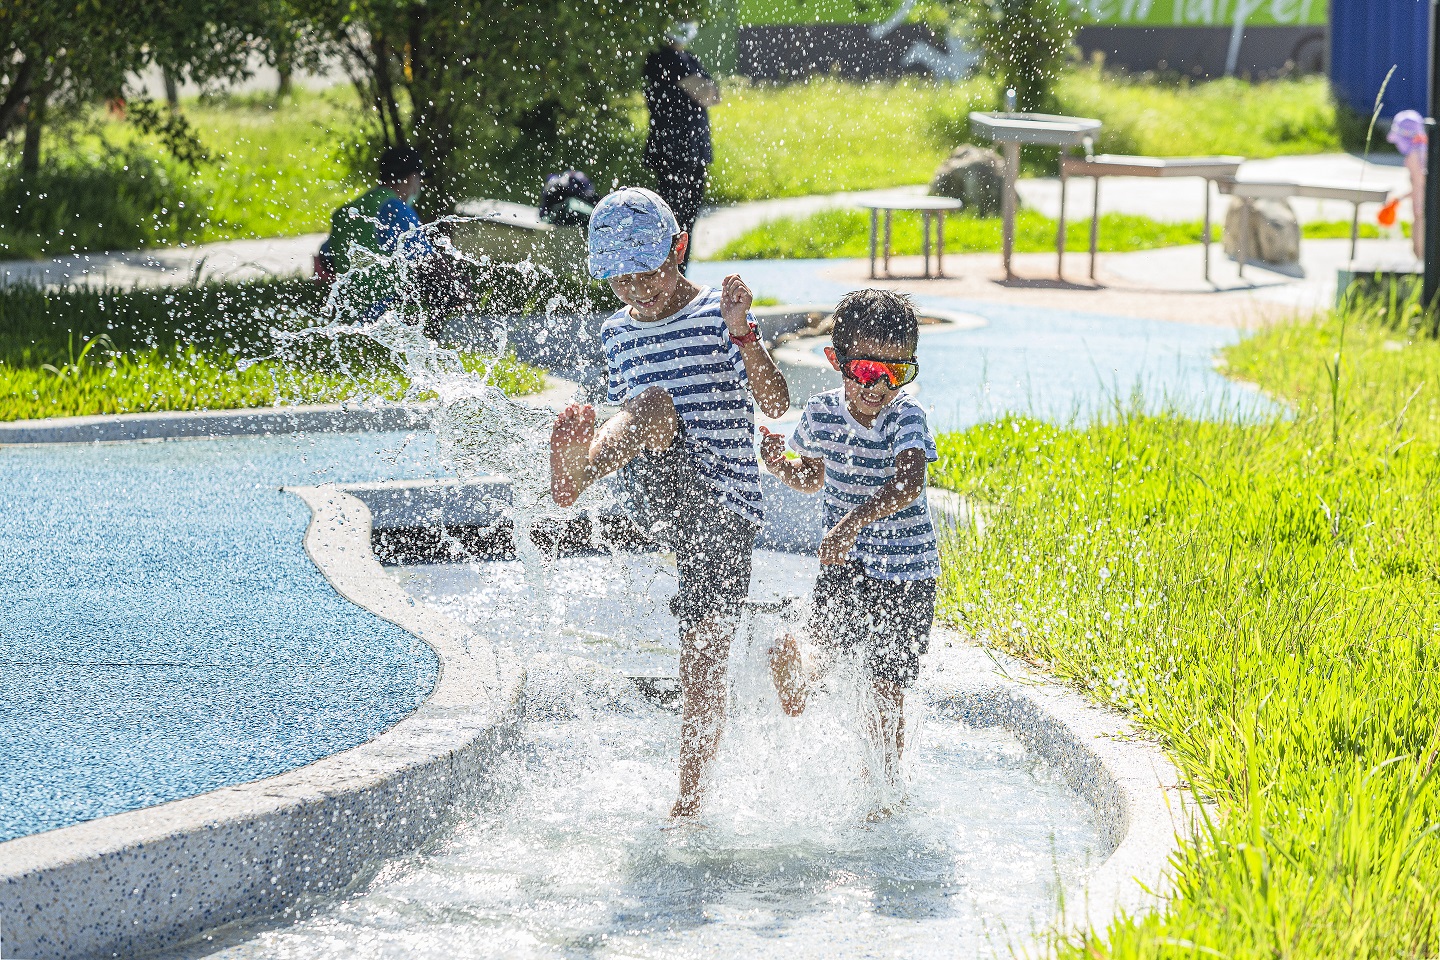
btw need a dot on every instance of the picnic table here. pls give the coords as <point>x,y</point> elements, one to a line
<point>1248,191</point>
<point>1031,129</point>
<point>1210,169</point>
<point>931,209</point>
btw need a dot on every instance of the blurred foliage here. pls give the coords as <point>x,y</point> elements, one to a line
<point>1026,44</point>
<point>485,75</point>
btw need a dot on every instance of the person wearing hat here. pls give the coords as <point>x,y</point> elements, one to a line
<point>378,219</point>
<point>688,367</point>
<point>383,221</point>
<point>1407,132</point>
<point>678,92</point>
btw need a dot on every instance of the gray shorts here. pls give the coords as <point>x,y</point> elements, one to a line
<point>674,505</point>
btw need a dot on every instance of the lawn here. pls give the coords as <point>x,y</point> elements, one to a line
<point>80,352</point>
<point>1262,597</point>
<point>281,166</point>
<point>846,233</point>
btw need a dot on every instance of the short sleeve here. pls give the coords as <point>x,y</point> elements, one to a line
<point>802,441</point>
<point>912,432</point>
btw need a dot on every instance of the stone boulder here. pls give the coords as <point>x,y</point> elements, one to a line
<point>973,175</point>
<point>1274,231</point>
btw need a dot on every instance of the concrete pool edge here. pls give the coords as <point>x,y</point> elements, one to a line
<point>140,881</point>
<point>177,424</point>
<point>1135,790</point>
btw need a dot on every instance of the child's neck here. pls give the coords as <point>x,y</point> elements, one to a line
<point>866,420</point>
<point>685,291</point>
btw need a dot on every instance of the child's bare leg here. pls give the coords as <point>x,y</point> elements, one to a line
<point>704,651</point>
<point>579,455</point>
<point>889,725</point>
<point>789,677</point>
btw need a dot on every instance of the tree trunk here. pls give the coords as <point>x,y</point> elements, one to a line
<point>34,123</point>
<point>172,89</point>
<point>13,103</point>
<point>285,67</point>
<point>432,118</point>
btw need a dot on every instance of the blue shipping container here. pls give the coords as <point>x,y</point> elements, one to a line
<point>1367,38</point>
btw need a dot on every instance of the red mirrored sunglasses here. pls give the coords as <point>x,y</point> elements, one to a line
<point>869,370</point>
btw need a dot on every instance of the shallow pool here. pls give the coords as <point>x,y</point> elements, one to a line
<point>571,853</point>
<point>162,632</point>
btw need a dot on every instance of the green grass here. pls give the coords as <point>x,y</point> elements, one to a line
<point>78,352</point>
<point>1265,599</point>
<point>846,233</point>
<point>282,166</point>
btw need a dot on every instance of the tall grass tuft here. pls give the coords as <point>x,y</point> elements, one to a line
<point>1264,597</point>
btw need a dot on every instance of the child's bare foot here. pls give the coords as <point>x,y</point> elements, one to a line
<point>785,671</point>
<point>570,453</point>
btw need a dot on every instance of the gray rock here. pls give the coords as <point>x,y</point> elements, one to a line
<point>1274,231</point>
<point>973,175</point>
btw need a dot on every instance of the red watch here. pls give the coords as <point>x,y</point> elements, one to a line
<point>751,337</point>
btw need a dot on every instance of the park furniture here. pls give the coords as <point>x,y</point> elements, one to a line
<point>508,232</point>
<point>931,209</point>
<point>1013,130</point>
<point>1248,191</point>
<point>1209,169</point>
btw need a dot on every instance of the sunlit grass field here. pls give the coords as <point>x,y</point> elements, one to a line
<point>80,352</point>
<point>1264,598</point>
<point>281,166</point>
<point>846,233</point>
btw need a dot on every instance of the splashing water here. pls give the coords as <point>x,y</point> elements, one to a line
<point>570,852</point>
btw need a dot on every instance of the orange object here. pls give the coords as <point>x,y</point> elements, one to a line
<point>1386,216</point>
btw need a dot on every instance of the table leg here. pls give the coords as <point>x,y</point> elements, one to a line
<point>1205,240</point>
<point>1060,231</point>
<point>940,245</point>
<point>1095,228</point>
<point>874,230</point>
<point>1354,229</point>
<point>889,223</point>
<point>925,239</point>
<point>1244,236</point>
<point>1008,203</point>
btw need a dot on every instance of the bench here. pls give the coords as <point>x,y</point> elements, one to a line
<point>930,209</point>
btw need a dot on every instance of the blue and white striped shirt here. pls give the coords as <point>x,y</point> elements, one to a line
<point>689,355</point>
<point>858,461</point>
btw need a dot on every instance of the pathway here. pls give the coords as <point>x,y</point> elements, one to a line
<point>282,256</point>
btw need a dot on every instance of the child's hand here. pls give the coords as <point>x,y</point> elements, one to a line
<point>772,447</point>
<point>735,302</point>
<point>836,546</point>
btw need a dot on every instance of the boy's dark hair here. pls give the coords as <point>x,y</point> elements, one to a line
<point>883,316</point>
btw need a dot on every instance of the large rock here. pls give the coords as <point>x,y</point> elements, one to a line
<point>1274,231</point>
<point>973,175</point>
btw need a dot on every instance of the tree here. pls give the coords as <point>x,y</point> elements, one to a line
<point>1025,42</point>
<point>484,74</point>
<point>60,55</point>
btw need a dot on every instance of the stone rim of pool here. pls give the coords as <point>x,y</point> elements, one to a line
<point>194,859</point>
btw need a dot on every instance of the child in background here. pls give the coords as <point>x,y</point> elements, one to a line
<point>684,360</point>
<point>1407,132</point>
<point>867,446</point>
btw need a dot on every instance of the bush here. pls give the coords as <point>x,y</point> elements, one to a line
<point>116,201</point>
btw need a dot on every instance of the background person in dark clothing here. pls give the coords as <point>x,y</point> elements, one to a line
<point>677,93</point>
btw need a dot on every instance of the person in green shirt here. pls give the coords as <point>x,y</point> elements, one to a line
<point>383,221</point>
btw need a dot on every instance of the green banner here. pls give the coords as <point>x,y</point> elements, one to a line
<point>1207,13</point>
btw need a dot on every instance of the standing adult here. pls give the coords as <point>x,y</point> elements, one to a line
<point>678,93</point>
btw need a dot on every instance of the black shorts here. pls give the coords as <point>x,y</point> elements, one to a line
<point>888,621</point>
<point>674,505</point>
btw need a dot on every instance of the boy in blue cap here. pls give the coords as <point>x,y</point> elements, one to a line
<point>684,361</point>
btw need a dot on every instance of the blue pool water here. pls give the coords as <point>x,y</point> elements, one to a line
<point>1055,364</point>
<point>162,631</point>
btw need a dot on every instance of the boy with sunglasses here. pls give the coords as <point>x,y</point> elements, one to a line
<point>685,362</point>
<point>867,446</point>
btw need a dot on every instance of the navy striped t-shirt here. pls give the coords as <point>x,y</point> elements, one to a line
<point>689,355</point>
<point>858,461</point>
